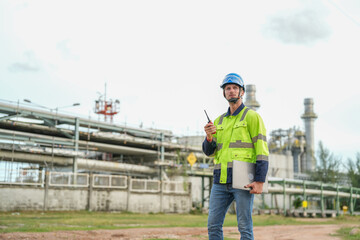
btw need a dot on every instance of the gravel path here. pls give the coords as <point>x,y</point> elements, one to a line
<point>303,232</point>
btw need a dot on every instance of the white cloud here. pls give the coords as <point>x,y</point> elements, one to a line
<point>299,26</point>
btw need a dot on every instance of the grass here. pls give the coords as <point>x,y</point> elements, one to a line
<point>83,220</point>
<point>344,233</point>
<point>53,221</point>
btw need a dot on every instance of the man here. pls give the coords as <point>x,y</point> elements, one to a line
<point>237,135</point>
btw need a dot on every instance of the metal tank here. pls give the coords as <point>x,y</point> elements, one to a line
<point>251,102</point>
<point>309,118</point>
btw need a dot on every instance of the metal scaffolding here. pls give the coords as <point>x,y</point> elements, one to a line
<point>316,192</point>
<point>52,139</point>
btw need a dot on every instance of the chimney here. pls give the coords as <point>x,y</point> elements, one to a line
<point>309,118</point>
<point>250,97</point>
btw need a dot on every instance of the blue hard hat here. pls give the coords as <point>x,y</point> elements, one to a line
<point>234,79</point>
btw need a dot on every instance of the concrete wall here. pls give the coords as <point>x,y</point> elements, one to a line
<point>105,200</point>
<point>21,198</point>
<point>14,198</point>
<point>281,165</point>
<point>176,203</point>
<point>196,189</point>
<point>67,199</point>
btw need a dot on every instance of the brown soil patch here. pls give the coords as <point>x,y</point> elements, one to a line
<point>303,232</point>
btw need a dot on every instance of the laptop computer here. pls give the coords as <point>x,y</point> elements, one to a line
<point>243,173</point>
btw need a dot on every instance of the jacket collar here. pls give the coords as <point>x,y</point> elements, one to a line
<point>237,111</point>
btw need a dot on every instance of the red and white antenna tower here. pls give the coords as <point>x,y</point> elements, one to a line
<point>107,107</point>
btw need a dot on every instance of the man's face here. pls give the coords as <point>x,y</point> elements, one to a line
<point>231,91</point>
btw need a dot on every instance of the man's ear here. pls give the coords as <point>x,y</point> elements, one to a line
<point>242,92</point>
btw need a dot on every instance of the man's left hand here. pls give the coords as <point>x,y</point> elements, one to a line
<point>256,187</point>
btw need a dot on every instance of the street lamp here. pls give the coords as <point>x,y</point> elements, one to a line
<point>38,105</point>
<point>51,109</point>
<point>73,105</point>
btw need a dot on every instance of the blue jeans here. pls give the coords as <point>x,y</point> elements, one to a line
<point>222,195</point>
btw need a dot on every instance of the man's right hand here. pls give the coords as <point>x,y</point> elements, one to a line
<point>210,129</point>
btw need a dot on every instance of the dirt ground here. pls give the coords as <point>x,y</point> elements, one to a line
<point>303,232</point>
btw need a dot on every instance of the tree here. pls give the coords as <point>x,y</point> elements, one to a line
<point>328,166</point>
<point>353,168</point>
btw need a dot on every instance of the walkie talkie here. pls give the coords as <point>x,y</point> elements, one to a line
<point>209,121</point>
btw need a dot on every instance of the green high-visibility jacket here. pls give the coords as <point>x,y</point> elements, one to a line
<point>241,138</point>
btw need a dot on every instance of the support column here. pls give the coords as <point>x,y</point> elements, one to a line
<point>284,197</point>
<point>263,200</point>
<point>40,175</point>
<point>290,203</point>
<point>161,197</point>
<point>128,193</point>
<point>355,198</point>
<point>190,194</point>
<point>76,144</point>
<point>162,158</point>
<point>90,192</point>
<point>46,192</point>
<point>304,198</point>
<point>322,201</point>
<point>351,201</point>
<point>337,201</point>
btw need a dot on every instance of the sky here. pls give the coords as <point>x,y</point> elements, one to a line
<point>164,60</point>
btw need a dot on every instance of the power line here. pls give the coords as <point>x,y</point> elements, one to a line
<point>344,13</point>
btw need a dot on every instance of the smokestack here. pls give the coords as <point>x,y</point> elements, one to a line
<point>250,97</point>
<point>309,118</point>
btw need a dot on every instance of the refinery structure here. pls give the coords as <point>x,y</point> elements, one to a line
<point>291,150</point>
<point>53,161</point>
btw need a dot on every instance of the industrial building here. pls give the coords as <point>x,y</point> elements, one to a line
<point>291,150</point>
<point>53,161</point>
<point>52,153</point>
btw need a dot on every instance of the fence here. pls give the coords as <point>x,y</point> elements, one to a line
<point>22,177</point>
<point>109,181</point>
<point>69,179</point>
<point>144,185</point>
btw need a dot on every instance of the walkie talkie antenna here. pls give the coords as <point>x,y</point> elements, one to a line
<point>207,116</point>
